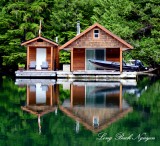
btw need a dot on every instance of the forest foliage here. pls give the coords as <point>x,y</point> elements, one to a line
<point>136,21</point>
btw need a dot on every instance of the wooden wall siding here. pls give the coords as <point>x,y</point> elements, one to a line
<point>48,59</point>
<point>32,56</point>
<point>121,60</point>
<point>55,90</point>
<point>113,54</point>
<point>55,58</point>
<point>104,114</point>
<point>104,41</point>
<point>32,96</point>
<point>48,95</point>
<point>113,98</point>
<point>78,59</point>
<point>78,99</point>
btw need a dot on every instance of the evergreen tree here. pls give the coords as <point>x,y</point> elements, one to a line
<point>136,21</point>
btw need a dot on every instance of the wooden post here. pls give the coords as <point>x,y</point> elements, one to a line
<point>51,92</point>
<point>57,58</point>
<point>27,58</point>
<point>120,97</point>
<point>72,59</point>
<point>57,94</point>
<point>121,59</point>
<point>71,90</point>
<point>52,58</point>
<point>27,95</point>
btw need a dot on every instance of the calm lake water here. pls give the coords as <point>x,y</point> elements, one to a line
<point>79,113</point>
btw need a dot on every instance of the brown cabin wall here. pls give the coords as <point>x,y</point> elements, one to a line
<point>103,114</point>
<point>78,59</point>
<point>113,98</point>
<point>48,57</point>
<point>48,95</point>
<point>32,56</point>
<point>55,90</point>
<point>80,97</point>
<point>113,54</point>
<point>32,96</point>
<point>56,58</point>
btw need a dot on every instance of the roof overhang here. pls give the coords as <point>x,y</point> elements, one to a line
<point>35,39</point>
<point>125,49</point>
<point>69,49</point>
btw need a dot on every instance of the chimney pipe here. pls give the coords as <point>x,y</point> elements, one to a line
<point>57,39</point>
<point>78,28</point>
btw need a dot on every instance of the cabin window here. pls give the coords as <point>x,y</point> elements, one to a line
<point>95,121</point>
<point>96,33</point>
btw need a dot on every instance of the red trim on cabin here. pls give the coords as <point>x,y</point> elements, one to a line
<point>32,40</point>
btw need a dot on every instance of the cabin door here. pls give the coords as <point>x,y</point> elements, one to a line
<point>97,54</point>
<point>40,94</point>
<point>40,57</point>
<point>90,54</point>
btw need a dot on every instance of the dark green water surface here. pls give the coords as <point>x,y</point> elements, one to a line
<point>140,127</point>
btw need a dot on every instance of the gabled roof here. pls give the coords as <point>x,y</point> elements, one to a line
<point>39,110</point>
<point>107,122</point>
<point>90,28</point>
<point>39,37</point>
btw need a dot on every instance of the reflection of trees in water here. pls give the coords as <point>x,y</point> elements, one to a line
<point>13,121</point>
<point>146,110</point>
<point>20,128</point>
<point>64,94</point>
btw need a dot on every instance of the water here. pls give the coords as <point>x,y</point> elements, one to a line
<point>79,113</point>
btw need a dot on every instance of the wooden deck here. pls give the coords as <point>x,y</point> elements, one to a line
<point>91,74</point>
<point>24,81</point>
<point>96,74</point>
<point>35,74</point>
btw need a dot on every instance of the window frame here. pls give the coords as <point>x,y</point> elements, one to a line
<point>96,33</point>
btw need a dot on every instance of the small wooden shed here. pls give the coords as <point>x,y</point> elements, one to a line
<point>41,50</point>
<point>96,42</point>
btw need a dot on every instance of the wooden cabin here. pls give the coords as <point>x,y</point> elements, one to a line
<point>96,42</point>
<point>95,107</point>
<point>41,50</point>
<point>41,99</point>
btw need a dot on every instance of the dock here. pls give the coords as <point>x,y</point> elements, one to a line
<point>89,74</point>
<point>35,74</point>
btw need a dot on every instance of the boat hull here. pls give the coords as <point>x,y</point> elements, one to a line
<point>113,65</point>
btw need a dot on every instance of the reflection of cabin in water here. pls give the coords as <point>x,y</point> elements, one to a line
<point>95,107</point>
<point>98,43</point>
<point>42,51</point>
<point>41,99</point>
